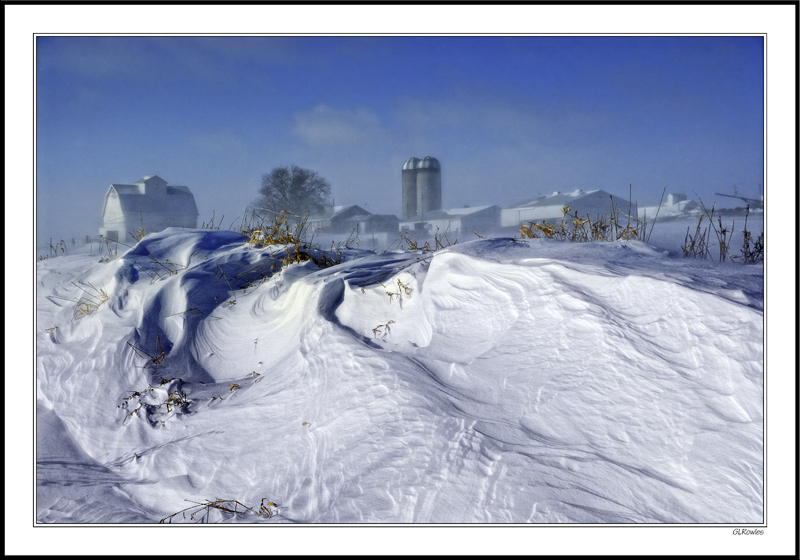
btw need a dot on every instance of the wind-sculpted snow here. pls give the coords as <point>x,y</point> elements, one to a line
<point>494,381</point>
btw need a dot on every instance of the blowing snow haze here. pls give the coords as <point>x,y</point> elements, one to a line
<point>508,117</point>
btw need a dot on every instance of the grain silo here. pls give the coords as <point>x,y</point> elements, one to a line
<point>422,186</point>
<point>429,185</point>
<point>410,188</point>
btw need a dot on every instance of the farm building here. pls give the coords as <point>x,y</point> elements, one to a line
<point>548,207</point>
<point>148,204</point>
<point>373,223</point>
<point>456,221</point>
<point>345,219</point>
<point>674,205</point>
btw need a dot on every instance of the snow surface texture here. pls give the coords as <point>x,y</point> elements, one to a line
<point>493,381</point>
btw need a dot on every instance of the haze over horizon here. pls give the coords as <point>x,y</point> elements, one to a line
<point>508,117</point>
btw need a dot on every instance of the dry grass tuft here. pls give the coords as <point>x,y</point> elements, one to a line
<point>752,249</point>
<point>200,512</point>
<point>154,358</point>
<point>89,302</point>
<point>382,330</point>
<point>573,227</point>
<point>440,241</point>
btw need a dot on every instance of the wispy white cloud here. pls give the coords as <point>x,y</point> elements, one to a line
<point>223,143</point>
<point>94,57</point>
<point>204,60</point>
<point>483,120</point>
<point>326,126</point>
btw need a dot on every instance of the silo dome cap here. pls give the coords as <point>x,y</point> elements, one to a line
<point>428,162</point>
<point>411,163</point>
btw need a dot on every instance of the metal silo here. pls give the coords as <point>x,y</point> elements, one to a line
<point>429,185</point>
<point>410,188</point>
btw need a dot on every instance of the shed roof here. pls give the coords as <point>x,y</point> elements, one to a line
<point>555,198</point>
<point>339,210</point>
<point>466,211</point>
<point>332,212</point>
<point>430,215</point>
<point>452,213</point>
<point>573,198</point>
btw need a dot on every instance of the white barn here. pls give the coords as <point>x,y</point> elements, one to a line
<point>548,207</point>
<point>149,201</point>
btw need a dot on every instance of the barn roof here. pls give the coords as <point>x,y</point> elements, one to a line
<point>179,201</point>
<point>126,189</point>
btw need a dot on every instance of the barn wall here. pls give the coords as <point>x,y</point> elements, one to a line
<point>155,222</point>
<point>178,211</point>
<point>114,224</point>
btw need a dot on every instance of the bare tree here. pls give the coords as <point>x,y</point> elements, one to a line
<point>294,190</point>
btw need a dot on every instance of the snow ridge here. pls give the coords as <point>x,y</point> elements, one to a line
<point>495,381</point>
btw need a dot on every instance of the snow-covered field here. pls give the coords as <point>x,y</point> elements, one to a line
<point>496,381</point>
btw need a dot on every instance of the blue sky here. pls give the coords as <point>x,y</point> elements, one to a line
<point>509,117</point>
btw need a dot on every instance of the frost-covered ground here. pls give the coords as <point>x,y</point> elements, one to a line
<point>496,381</point>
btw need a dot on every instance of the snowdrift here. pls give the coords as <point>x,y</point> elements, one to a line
<point>494,381</point>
